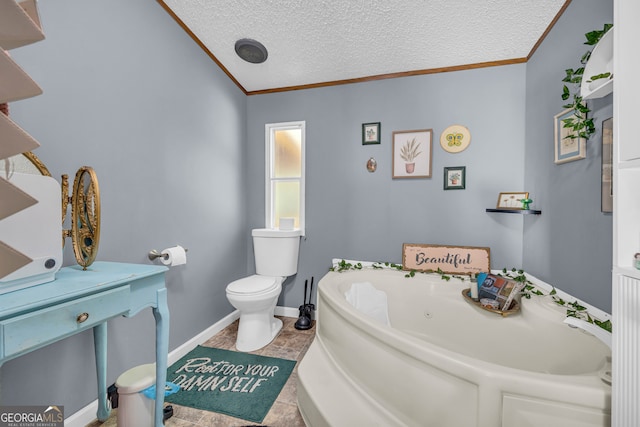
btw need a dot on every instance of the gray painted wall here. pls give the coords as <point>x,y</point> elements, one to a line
<point>354,214</point>
<point>179,153</point>
<point>129,93</point>
<point>371,215</point>
<point>570,244</point>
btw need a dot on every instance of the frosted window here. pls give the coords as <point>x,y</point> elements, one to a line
<point>287,156</point>
<point>287,201</point>
<point>285,173</point>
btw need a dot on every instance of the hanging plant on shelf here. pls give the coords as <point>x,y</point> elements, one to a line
<point>581,125</point>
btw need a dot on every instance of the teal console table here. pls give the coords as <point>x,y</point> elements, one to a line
<point>77,300</point>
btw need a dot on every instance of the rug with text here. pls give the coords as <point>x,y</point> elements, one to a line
<point>241,385</point>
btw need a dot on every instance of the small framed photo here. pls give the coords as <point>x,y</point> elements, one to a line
<point>512,200</point>
<point>568,147</point>
<point>412,153</point>
<point>454,178</point>
<point>370,133</point>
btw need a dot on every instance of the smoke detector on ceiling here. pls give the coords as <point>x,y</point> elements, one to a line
<point>251,51</point>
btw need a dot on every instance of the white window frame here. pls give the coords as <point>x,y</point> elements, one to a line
<point>270,129</point>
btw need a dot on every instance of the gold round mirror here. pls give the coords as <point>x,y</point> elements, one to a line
<point>85,216</point>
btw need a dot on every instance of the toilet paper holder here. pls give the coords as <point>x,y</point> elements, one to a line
<point>153,254</point>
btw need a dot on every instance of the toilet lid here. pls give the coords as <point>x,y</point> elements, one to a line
<point>253,284</point>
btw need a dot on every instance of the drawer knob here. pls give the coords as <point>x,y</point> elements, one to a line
<point>82,317</point>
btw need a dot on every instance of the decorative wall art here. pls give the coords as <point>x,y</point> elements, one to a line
<point>568,147</point>
<point>372,165</point>
<point>455,138</point>
<point>370,133</point>
<point>607,165</point>
<point>447,259</point>
<point>412,153</point>
<point>513,200</point>
<point>454,178</point>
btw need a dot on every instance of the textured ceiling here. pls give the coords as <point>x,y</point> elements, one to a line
<point>313,42</point>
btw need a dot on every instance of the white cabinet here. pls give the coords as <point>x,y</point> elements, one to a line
<point>626,167</point>
<point>626,217</point>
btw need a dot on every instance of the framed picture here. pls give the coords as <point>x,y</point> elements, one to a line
<point>370,133</point>
<point>607,165</point>
<point>412,153</point>
<point>512,200</point>
<point>568,147</point>
<point>454,178</point>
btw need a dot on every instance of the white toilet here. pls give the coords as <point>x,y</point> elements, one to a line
<point>276,258</point>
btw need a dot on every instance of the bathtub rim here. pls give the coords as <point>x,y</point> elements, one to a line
<point>538,283</point>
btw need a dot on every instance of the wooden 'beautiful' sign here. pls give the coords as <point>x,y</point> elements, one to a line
<point>449,259</point>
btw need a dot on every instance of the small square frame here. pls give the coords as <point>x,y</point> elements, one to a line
<point>567,149</point>
<point>455,178</point>
<point>511,201</point>
<point>371,133</point>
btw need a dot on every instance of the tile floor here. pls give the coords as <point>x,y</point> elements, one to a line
<point>290,344</point>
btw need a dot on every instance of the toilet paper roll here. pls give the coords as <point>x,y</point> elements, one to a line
<point>174,256</point>
<point>286,223</point>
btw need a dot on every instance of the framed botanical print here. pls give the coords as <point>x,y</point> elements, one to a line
<point>568,146</point>
<point>512,200</point>
<point>370,133</point>
<point>412,153</point>
<point>454,178</point>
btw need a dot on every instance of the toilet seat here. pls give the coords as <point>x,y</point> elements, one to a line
<point>254,285</point>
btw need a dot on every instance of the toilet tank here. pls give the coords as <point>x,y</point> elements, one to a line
<point>276,251</point>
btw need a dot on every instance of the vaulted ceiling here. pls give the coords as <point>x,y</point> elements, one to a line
<point>325,42</point>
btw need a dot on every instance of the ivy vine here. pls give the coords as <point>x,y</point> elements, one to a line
<point>346,266</point>
<point>573,309</point>
<point>580,124</point>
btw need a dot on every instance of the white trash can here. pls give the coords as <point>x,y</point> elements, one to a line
<point>134,408</point>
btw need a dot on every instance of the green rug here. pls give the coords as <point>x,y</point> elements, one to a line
<point>241,385</point>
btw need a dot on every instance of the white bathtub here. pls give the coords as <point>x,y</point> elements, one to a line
<point>446,363</point>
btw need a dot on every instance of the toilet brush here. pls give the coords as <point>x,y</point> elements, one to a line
<point>304,299</point>
<point>308,306</point>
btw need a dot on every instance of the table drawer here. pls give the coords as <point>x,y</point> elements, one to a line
<point>38,328</point>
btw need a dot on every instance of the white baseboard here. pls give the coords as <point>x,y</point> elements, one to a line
<point>287,312</point>
<point>292,312</point>
<point>84,416</point>
<point>87,414</point>
<point>185,348</point>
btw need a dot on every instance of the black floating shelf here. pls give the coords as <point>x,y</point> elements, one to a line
<point>517,211</point>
